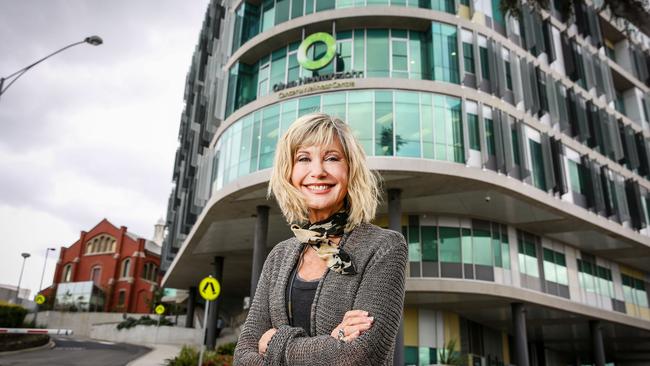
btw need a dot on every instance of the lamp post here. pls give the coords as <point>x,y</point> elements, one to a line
<point>20,279</point>
<point>40,285</point>
<point>47,251</point>
<point>92,40</point>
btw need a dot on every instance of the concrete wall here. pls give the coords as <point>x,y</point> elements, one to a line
<point>82,322</point>
<point>142,334</point>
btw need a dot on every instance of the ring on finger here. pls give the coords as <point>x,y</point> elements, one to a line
<point>341,334</point>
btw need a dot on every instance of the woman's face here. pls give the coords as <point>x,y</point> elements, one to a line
<point>320,173</point>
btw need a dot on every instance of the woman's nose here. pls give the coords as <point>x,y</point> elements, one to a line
<point>317,169</point>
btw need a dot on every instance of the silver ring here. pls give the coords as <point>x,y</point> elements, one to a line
<point>341,334</point>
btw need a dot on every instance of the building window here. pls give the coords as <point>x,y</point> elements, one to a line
<point>126,267</point>
<point>399,57</point>
<point>468,57</point>
<point>485,66</point>
<point>555,267</point>
<point>539,177</point>
<point>576,176</point>
<point>474,133</point>
<point>101,244</point>
<point>150,272</point>
<point>634,291</point>
<point>450,244</point>
<point>489,136</point>
<point>95,274</point>
<point>508,76</point>
<point>445,52</point>
<point>528,254</point>
<point>67,273</point>
<point>121,298</point>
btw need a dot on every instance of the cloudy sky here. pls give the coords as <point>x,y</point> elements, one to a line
<point>90,133</point>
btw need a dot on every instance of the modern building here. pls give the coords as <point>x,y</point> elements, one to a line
<point>108,269</point>
<point>515,154</point>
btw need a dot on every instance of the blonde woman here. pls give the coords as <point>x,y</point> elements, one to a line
<point>334,293</point>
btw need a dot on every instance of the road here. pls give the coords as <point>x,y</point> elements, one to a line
<point>72,352</point>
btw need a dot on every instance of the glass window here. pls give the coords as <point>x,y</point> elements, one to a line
<point>482,247</point>
<point>466,243</point>
<point>278,67</point>
<point>576,176</point>
<point>496,246</point>
<point>450,244</point>
<point>383,123</point>
<point>505,247</point>
<point>360,118</point>
<point>448,129</point>
<point>293,72</point>
<point>508,76</point>
<point>485,68</point>
<point>426,125</point>
<point>445,53</point>
<point>429,244</point>
<point>297,8</point>
<point>270,124</point>
<point>344,55</point>
<point>468,57</point>
<point>378,57</point>
<point>415,250</point>
<point>325,4</point>
<point>263,77</point>
<point>399,58</point>
<point>474,133</point>
<point>489,136</point>
<point>308,105</point>
<point>407,128</point>
<point>527,255</point>
<point>334,105</point>
<point>268,15</point>
<point>121,297</point>
<point>281,11</point>
<point>359,48</point>
<point>415,56</point>
<point>539,177</point>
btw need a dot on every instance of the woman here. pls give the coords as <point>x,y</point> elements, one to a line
<point>333,294</point>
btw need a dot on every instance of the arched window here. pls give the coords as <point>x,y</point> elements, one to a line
<point>103,243</point>
<point>145,271</point>
<point>67,273</point>
<point>126,267</point>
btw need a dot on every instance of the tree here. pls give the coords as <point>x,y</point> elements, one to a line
<point>634,11</point>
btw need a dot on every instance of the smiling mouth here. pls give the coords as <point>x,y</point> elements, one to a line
<point>319,187</point>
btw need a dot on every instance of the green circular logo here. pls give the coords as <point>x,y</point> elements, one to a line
<point>321,62</point>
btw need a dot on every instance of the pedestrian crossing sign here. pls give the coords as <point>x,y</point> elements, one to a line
<point>160,309</point>
<point>39,299</point>
<point>209,288</point>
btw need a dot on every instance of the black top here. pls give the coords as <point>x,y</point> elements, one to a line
<point>302,296</point>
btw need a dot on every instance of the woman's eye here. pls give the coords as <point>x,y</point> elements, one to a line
<point>302,158</point>
<point>332,158</point>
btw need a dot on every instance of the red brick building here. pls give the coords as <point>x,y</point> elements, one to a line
<point>107,269</point>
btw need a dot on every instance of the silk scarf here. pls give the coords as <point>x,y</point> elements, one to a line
<point>318,235</point>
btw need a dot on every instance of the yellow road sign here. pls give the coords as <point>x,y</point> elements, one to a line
<point>160,309</point>
<point>209,288</point>
<point>39,299</point>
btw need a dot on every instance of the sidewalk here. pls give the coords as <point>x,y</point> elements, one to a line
<point>157,356</point>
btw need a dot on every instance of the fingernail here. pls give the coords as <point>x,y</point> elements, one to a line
<point>365,313</point>
<point>372,318</point>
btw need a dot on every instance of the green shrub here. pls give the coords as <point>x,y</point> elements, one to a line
<point>15,342</point>
<point>189,356</point>
<point>12,316</point>
<point>227,349</point>
<point>131,322</point>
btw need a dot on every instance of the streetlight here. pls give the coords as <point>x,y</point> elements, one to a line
<point>47,251</point>
<point>92,40</point>
<point>20,279</point>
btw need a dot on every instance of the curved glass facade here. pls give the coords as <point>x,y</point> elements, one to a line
<point>252,19</point>
<point>386,122</point>
<point>385,53</point>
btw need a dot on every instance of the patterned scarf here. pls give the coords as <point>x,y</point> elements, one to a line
<point>317,236</point>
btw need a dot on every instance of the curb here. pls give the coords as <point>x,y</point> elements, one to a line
<point>48,345</point>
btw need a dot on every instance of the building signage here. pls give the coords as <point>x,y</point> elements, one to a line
<point>318,64</point>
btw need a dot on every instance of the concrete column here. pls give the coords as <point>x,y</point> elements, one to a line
<point>213,315</point>
<point>598,348</point>
<point>395,223</point>
<point>259,246</point>
<point>191,304</point>
<point>520,336</point>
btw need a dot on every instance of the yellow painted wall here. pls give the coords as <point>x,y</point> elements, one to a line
<point>645,312</point>
<point>631,309</point>
<point>478,18</point>
<point>631,272</point>
<point>411,327</point>
<point>452,328</point>
<point>506,347</point>
<point>464,11</point>
<point>382,221</point>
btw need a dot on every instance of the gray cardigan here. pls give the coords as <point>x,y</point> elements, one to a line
<point>380,258</point>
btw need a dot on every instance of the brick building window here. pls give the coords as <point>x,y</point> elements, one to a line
<point>67,273</point>
<point>121,297</point>
<point>126,267</point>
<point>96,274</point>
<point>150,272</point>
<point>100,244</point>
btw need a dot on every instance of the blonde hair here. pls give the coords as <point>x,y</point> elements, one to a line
<point>320,129</point>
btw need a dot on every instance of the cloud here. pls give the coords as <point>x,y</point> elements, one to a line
<point>90,133</point>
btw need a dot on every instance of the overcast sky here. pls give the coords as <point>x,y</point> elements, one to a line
<point>90,133</point>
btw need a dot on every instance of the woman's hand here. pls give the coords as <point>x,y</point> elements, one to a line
<point>354,323</point>
<point>263,343</point>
